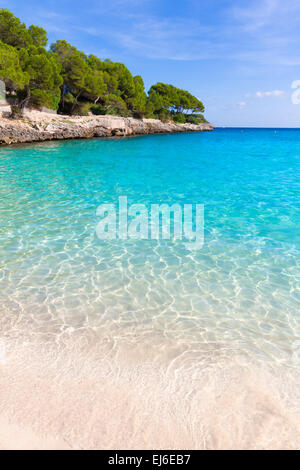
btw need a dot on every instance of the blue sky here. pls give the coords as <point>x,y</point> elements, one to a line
<point>239,57</point>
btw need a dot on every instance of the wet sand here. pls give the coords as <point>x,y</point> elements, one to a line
<point>79,398</point>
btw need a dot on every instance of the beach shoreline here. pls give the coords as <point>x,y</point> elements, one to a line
<point>38,126</point>
<point>77,394</point>
<point>141,344</point>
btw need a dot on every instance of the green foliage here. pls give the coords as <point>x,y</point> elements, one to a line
<point>115,105</point>
<point>44,77</point>
<point>97,109</point>
<point>43,69</point>
<point>38,36</point>
<point>65,78</point>
<point>12,31</point>
<point>44,98</point>
<point>196,118</point>
<point>15,33</point>
<point>126,84</point>
<point>68,103</point>
<point>180,118</point>
<point>163,115</point>
<point>95,86</point>
<point>167,99</point>
<point>74,70</point>
<point>138,102</point>
<point>202,118</point>
<point>25,65</point>
<point>192,119</point>
<point>82,108</point>
<point>10,69</point>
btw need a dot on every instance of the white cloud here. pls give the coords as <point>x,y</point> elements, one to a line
<point>49,14</point>
<point>268,31</point>
<point>177,39</point>
<point>259,13</point>
<point>257,34</point>
<point>257,31</point>
<point>274,93</point>
<point>256,14</point>
<point>241,104</point>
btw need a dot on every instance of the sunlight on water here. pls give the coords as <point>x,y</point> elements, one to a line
<point>235,299</point>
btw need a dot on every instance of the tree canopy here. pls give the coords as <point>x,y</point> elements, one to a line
<point>168,98</point>
<point>66,79</point>
<point>11,71</point>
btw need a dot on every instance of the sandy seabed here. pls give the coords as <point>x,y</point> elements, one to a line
<point>77,395</point>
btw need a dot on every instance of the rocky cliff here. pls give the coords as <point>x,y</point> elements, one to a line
<point>38,126</point>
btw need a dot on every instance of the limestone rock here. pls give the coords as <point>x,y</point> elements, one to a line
<point>38,126</point>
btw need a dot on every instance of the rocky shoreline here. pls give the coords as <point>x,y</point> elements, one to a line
<point>37,126</point>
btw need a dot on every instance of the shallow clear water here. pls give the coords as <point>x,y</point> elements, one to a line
<point>238,295</point>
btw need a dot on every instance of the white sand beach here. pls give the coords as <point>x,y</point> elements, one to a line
<point>71,399</point>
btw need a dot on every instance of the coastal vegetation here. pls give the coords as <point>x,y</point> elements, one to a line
<point>66,80</point>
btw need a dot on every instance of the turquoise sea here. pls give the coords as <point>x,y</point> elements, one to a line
<point>237,297</point>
